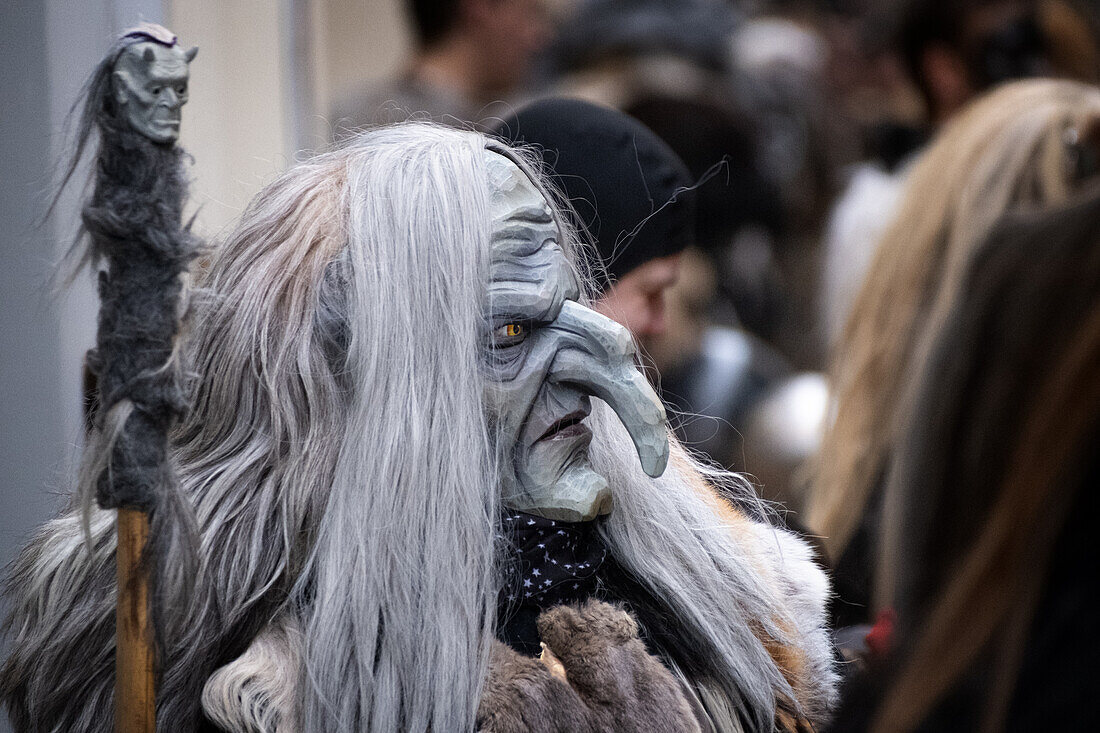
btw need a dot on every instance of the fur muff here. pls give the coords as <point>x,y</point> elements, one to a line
<point>612,683</point>
<point>606,681</point>
<point>255,693</point>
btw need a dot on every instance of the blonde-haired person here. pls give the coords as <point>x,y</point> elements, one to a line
<point>988,537</point>
<point>1014,148</point>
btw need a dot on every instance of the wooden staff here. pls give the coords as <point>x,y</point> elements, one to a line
<point>135,688</point>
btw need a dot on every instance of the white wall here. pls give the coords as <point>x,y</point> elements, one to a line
<point>359,41</point>
<point>265,79</point>
<point>237,123</point>
<point>32,425</point>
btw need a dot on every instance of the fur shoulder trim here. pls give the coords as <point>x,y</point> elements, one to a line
<point>257,691</point>
<point>801,590</point>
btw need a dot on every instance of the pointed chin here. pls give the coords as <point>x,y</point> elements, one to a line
<point>553,479</point>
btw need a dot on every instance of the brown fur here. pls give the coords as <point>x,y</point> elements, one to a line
<point>614,683</point>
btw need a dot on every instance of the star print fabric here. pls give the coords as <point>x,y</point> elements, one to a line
<point>554,562</point>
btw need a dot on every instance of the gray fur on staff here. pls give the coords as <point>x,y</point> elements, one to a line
<point>134,223</point>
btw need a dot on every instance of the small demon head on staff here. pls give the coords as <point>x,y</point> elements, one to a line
<point>139,85</point>
<point>149,83</point>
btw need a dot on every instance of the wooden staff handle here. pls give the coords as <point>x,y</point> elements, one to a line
<point>135,695</point>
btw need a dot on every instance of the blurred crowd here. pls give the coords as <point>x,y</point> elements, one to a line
<point>859,244</point>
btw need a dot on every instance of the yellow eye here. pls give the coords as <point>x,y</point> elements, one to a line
<point>509,334</point>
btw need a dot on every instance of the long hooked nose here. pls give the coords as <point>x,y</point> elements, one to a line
<point>598,357</point>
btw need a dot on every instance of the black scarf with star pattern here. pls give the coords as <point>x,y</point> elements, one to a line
<point>547,563</point>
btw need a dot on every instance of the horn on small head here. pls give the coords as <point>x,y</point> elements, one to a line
<point>190,53</point>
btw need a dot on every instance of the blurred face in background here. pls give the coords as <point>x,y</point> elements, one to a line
<point>998,41</point>
<point>1004,41</point>
<point>687,313</point>
<point>512,33</point>
<point>637,299</point>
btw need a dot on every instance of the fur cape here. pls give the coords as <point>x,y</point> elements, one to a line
<point>598,671</point>
<point>610,680</point>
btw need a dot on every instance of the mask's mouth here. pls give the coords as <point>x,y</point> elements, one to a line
<point>569,426</point>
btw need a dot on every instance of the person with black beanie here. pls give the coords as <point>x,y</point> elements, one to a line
<point>629,193</point>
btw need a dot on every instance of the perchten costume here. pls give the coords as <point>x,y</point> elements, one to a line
<point>395,368</point>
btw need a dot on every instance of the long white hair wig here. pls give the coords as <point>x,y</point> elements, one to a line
<point>345,487</point>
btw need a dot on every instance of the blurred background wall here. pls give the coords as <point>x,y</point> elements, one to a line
<point>265,77</point>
